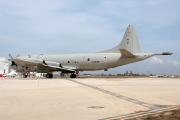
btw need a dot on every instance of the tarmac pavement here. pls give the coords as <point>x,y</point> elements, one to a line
<point>84,98</point>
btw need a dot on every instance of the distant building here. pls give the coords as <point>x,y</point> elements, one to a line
<point>127,72</point>
<point>4,68</point>
<point>131,73</point>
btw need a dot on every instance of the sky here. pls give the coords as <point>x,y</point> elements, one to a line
<point>87,26</point>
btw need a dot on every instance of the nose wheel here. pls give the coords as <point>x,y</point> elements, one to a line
<point>73,75</point>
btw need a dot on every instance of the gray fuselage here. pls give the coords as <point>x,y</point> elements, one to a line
<point>95,61</point>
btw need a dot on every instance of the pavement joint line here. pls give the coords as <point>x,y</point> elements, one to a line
<point>147,105</point>
<point>150,106</point>
<point>143,113</point>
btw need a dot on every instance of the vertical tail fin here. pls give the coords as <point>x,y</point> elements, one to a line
<point>129,42</point>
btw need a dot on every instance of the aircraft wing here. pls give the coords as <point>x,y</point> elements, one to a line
<point>54,66</point>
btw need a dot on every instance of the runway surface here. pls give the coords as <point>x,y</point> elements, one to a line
<point>84,98</point>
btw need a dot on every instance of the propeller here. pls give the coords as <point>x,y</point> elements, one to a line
<point>13,63</point>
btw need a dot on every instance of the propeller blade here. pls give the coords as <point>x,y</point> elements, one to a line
<point>13,63</point>
<point>29,56</point>
<point>18,55</point>
<point>10,56</point>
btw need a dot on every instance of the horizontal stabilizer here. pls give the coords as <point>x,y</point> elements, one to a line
<point>126,53</point>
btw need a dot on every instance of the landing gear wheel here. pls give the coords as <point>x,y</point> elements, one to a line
<point>73,76</point>
<point>24,76</point>
<point>49,76</point>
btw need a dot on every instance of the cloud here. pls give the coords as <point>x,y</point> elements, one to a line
<point>156,60</point>
<point>174,62</point>
<point>61,27</point>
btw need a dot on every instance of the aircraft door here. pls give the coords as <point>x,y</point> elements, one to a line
<point>83,62</point>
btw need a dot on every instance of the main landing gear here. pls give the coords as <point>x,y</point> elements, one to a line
<point>73,75</point>
<point>25,75</point>
<point>49,75</point>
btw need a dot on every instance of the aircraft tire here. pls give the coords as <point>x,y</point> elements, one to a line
<point>24,76</point>
<point>49,76</point>
<point>73,76</point>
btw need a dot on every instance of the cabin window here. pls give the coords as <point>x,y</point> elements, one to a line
<point>88,59</point>
<point>68,61</point>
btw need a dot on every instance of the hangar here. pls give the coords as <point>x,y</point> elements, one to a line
<point>4,68</point>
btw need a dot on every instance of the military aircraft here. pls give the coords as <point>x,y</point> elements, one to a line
<point>128,51</point>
